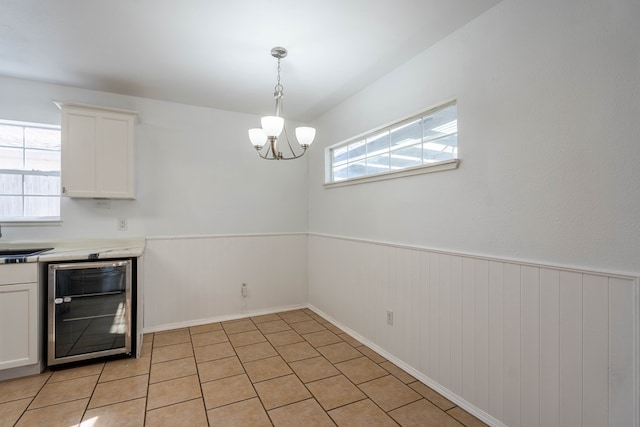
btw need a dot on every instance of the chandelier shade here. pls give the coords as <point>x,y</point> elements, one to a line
<point>305,136</point>
<point>257,137</point>
<point>274,126</point>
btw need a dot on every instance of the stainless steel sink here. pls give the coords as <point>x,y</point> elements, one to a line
<point>22,253</point>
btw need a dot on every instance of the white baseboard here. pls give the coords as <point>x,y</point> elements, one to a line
<point>472,409</point>
<point>216,319</point>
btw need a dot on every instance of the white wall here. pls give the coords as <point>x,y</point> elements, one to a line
<point>548,137</point>
<point>196,172</point>
<point>511,319</point>
<point>198,280</point>
<point>516,344</point>
<point>198,178</point>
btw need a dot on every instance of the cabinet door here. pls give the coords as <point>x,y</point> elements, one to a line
<point>115,156</point>
<point>79,148</point>
<point>97,153</point>
<point>18,325</point>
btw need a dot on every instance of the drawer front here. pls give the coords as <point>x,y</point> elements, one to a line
<point>18,273</point>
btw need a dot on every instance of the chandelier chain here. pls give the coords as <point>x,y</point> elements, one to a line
<point>278,88</point>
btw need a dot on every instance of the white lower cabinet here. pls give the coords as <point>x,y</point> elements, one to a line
<point>18,315</point>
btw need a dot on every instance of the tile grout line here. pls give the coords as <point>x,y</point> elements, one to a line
<point>393,375</point>
<point>357,386</point>
<point>32,399</point>
<point>313,397</point>
<point>340,373</point>
<point>247,375</point>
<point>293,372</point>
<point>92,392</point>
<point>146,397</point>
<point>149,384</point>
<point>367,397</point>
<point>304,332</point>
<point>193,351</point>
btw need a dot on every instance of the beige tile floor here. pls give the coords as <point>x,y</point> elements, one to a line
<point>288,369</point>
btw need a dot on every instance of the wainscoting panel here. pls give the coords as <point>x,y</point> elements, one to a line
<point>517,344</point>
<point>189,280</point>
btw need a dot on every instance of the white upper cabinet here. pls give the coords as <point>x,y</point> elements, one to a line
<point>97,152</point>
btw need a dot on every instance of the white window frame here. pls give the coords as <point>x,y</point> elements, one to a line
<point>409,171</point>
<point>30,220</point>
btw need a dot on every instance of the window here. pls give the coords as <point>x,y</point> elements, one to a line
<point>29,172</point>
<point>423,143</point>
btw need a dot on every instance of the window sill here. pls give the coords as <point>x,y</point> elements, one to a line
<point>30,223</point>
<point>419,170</point>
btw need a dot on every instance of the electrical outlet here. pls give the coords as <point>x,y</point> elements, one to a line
<point>122,224</point>
<point>243,290</point>
<point>389,317</point>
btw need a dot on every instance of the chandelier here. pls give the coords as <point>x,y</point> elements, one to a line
<point>273,126</point>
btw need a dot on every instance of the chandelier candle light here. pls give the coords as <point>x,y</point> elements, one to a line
<point>272,126</point>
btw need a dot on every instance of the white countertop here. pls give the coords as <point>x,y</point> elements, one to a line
<point>78,250</point>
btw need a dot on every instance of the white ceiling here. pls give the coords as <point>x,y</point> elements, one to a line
<point>217,53</point>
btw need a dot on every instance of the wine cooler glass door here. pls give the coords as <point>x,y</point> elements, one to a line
<point>90,311</point>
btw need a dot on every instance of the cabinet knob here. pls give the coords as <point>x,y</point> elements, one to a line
<point>64,190</point>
